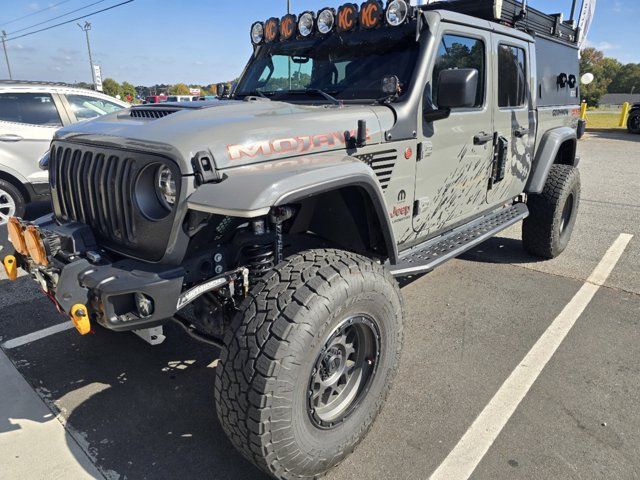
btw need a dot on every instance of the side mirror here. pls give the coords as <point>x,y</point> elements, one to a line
<point>458,88</point>
<point>220,88</point>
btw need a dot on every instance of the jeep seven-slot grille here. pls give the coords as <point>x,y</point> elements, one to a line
<point>95,189</point>
<point>382,164</point>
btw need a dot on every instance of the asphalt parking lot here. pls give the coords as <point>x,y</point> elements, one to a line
<point>135,411</point>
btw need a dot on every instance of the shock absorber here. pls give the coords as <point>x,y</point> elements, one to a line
<point>261,257</point>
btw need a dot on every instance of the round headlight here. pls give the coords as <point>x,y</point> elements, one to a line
<point>166,186</point>
<point>397,12</point>
<point>326,21</point>
<point>257,33</point>
<point>305,24</point>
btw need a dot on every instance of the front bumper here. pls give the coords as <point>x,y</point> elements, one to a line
<point>109,290</point>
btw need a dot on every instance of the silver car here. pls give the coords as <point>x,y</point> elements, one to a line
<point>30,113</point>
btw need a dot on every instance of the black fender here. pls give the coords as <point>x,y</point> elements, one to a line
<point>546,155</point>
<point>251,191</point>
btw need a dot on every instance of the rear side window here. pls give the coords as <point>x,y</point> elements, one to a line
<point>512,77</point>
<point>31,108</point>
<point>460,52</point>
<point>86,108</point>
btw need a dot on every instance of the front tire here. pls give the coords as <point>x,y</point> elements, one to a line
<point>12,202</point>
<point>633,123</point>
<point>547,230</point>
<point>309,361</point>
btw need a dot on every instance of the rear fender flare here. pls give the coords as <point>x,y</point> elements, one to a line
<point>546,155</point>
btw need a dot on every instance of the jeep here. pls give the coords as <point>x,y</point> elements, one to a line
<point>360,145</point>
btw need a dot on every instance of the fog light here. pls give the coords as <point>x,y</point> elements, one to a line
<point>326,20</point>
<point>305,24</point>
<point>144,305</point>
<point>35,247</point>
<point>257,33</point>
<point>16,237</point>
<point>397,12</point>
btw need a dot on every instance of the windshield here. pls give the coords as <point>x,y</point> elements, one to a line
<point>349,66</point>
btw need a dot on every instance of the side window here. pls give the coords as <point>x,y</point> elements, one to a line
<point>512,77</point>
<point>86,108</point>
<point>30,108</point>
<point>461,52</point>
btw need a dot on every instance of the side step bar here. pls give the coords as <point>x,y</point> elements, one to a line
<point>435,252</point>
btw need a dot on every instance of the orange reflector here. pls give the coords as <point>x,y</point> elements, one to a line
<point>16,236</point>
<point>35,247</point>
<point>80,319</point>
<point>11,267</point>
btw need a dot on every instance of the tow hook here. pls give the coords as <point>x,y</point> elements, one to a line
<point>10,267</point>
<point>80,319</point>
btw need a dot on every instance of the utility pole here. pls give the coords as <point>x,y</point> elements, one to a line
<point>290,80</point>
<point>86,27</point>
<point>6,55</point>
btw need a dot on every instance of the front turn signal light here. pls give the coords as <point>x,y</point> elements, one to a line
<point>11,267</point>
<point>35,247</point>
<point>16,236</point>
<point>80,319</point>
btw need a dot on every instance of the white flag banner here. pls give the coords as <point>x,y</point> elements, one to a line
<point>98,76</point>
<point>586,18</point>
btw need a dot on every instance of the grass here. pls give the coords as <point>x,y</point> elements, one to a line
<point>602,120</point>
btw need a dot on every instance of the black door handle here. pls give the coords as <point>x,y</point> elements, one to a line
<point>521,132</point>
<point>482,138</point>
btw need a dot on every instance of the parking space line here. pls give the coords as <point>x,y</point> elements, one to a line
<point>32,337</point>
<point>474,444</point>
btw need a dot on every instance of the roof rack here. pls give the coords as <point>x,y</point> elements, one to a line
<point>513,13</point>
<point>31,82</point>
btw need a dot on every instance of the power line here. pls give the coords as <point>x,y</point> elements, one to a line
<point>55,18</point>
<point>33,13</point>
<point>69,21</point>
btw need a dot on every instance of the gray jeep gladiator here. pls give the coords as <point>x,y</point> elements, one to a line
<point>361,144</point>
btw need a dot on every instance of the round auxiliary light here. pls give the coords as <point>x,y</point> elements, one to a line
<point>397,12</point>
<point>306,23</point>
<point>287,27</point>
<point>16,236</point>
<point>36,249</point>
<point>271,30</point>
<point>326,20</point>
<point>347,17</point>
<point>257,33</point>
<point>371,14</point>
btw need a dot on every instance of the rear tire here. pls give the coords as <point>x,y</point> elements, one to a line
<point>633,123</point>
<point>12,202</point>
<point>547,231</point>
<point>290,393</point>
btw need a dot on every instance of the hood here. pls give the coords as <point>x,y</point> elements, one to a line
<point>235,133</point>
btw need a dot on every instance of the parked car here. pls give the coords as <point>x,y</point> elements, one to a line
<point>633,124</point>
<point>180,98</point>
<point>30,113</point>
<point>155,99</point>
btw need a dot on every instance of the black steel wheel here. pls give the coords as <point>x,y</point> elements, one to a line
<point>309,361</point>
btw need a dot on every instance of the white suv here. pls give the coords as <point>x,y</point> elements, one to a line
<point>30,113</point>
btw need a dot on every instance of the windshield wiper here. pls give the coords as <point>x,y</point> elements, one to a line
<point>332,99</point>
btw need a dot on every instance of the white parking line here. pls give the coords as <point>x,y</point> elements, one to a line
<point>32,337</point>
<point>475,443</point>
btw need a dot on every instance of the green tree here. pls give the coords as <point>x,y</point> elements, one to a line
<point>593,61</point>
<point>111,87</point>
<point>179,89</point>
<point>128,89</point>
<point>627,79</point>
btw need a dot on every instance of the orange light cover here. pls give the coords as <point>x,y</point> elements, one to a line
<point>35,246</point>
<point>288,26</point>
<point>347,17</point>
<point>16,236</point>
<point>371,14</point>
<point>271,30</point>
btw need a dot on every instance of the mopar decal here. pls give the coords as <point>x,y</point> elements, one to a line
<point>300,144</point>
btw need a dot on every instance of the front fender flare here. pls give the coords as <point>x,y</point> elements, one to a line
<point>546,155</point>
<point>250,192</point>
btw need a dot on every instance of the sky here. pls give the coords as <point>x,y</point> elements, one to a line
<point>150,42</point>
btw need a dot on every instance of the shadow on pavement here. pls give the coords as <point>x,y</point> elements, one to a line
<point>500,250</point>
<point>613,134</point>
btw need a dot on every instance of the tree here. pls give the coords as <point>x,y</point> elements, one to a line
<point>111,87</point>
<point>179,89</point>
<point>627,79</point>
<point>593,61</point>
<point>128,89</point>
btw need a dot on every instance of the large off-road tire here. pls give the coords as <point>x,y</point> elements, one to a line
<point>12,202</point>
<point>547,230</point>
<point>305,325</point>
<point>633,123</point>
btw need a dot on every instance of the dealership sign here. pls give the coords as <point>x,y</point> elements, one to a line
<point>98,76</point>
